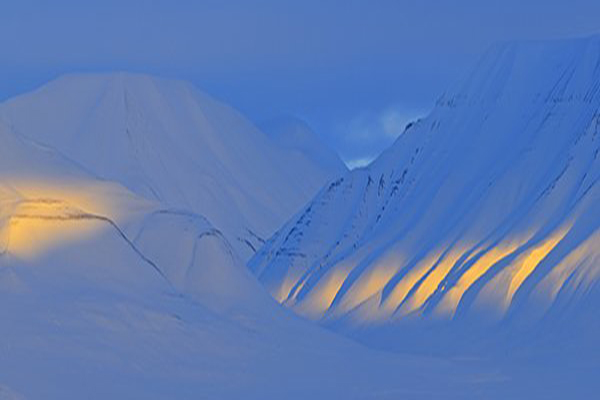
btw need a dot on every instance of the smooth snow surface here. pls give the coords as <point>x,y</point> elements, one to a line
<point>295,135</point>
<point>107,293</point>
<point>129,204</point>
<point>167,141</point>
<point>477,232</point>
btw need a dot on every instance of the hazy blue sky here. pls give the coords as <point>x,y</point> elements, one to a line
<point>354,70</point>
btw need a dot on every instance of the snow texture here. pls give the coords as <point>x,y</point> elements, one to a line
<point>109,292</point>
<point>167,141</point>
<point>477,233</point>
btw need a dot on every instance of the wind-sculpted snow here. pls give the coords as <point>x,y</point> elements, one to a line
<point>476,233</point>
<point>106,294</point>
<point>166,141</point>
<point>483,214</point>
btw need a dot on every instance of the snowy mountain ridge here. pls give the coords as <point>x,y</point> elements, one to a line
<point>167,141</point>
<point>485,211</point>
<point>128,205</point>
<point>296,135</point>
<point>107,294</point>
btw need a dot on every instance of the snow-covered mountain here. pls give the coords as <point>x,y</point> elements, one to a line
<point>296,135</point>
<point>107,294</point>
<point>485,214</point>
<point>128,205</point>
<point>167,141</point>
<point>48,205</point>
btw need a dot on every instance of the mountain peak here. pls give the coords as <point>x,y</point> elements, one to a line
<point>296,135</point>
<point>167,141</point>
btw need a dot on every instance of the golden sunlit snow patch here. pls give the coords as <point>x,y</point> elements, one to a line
<point>498,294</point>
<point>365,298</point>
<point>409,281</point>
<point>38,216</point>
<point>40,224</point>
<point>431,283</point>
<point>449,303</point>
<point>320,298</point>
<point>580,268</point>
<point>370,283</point>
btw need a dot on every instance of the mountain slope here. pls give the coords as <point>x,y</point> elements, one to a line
<point>481,220</point>
<point>168,142</point>
<point>47,204</point>
<point>109,295</point>
<point>295,135</point>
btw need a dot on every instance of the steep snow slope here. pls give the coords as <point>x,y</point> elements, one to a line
<point>166,141</point>
<point>108,295</point>
<point>479,225</point>
<point>295,135</point>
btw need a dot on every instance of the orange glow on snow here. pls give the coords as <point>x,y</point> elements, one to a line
<point>450,301</point>
<point>403,287</point>
<point>499,292</point>
<point>431,282</point>
<point>320,298</point>
<point>38,216</point>
<point>581,268</point>
<point>40,225</point>
<point>369,284</point>
<point>529,262</point>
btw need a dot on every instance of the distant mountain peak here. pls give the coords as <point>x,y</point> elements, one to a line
<point>296,135</point>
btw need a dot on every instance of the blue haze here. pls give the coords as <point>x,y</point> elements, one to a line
<point>356,71</point>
